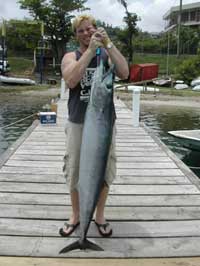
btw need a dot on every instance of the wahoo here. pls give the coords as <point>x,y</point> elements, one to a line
<point>96,140</point>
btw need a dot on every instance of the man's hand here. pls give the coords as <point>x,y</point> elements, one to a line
<point>104,37</point>
<point>95,42</point>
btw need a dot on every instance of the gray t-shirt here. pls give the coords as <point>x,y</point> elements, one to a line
<point>79,96</point>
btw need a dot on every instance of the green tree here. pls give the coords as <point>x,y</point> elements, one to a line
<point>24,31</point>
<point>189,39</point>
<point>56,16</point>
<point>130,31</point>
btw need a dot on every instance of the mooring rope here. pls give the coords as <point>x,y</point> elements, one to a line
<point>194,167</point>
<point>18,121</point>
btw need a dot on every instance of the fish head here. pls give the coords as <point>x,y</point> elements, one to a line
<point>102,86</point>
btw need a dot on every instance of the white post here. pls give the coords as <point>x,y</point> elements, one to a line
<point>62,89</point>
<point>136,107</point>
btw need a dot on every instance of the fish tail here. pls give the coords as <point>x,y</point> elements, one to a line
<point>82,245</point>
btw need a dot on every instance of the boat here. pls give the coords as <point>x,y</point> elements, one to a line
<point>181,86</point>
<point>195,82</point>
<point>17,81</point>
<point>188,138</point>
<point>162,81</point>
<point>133,87</point>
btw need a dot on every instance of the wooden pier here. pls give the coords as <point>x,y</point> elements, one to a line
<point>153,205</point>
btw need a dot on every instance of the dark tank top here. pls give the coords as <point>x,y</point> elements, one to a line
<point>79,96</point>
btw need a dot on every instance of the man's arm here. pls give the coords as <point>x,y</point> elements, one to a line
<point>121,66</point>
<point>122,69</point>
<point>73,70</point>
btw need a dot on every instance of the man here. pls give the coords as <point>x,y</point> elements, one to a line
<point>77,69</point>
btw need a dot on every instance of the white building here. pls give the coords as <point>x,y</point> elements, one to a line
<point>190,16</point>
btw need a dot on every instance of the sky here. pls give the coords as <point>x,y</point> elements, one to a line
<point>110,11</point>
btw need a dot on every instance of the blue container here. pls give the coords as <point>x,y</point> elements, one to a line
<point>47,117</point>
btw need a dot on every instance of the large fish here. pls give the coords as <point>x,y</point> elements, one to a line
<point>96,141</point>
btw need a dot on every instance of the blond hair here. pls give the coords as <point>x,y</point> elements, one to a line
<point>77,21</point>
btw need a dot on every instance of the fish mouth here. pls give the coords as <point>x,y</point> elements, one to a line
<point>82,245</point>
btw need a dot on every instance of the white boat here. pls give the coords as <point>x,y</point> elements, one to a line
<point>188,138</point>
<point>196,88</point>
<point>181,86</point>
<point>195,82</point>
<point>13,80</point>
<point>162,81</point>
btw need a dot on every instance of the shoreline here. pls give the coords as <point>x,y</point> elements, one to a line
<point>159,100</point>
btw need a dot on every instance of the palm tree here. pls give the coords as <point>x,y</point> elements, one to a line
<point>131,20</point>
<point>124,3</point>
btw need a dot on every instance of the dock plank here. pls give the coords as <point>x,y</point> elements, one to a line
<point>137,180</point>
<point>113,200</point>
<point>115,189</point>
<point>119,213</point>
<point>124,229</point>
<point>133,247</point>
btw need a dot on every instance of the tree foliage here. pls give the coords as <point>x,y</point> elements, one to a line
<point>189,69</point>
<point>56,16</point>
<point>22,36</point>
<point>126,36</point>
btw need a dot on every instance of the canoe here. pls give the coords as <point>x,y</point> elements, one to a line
<point>14,80</point>
<point>188,138</point>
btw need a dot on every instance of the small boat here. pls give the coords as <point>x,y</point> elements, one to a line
<point>17,81</point>
<point>195,82</point>
<point>162,81</point>
<point>188,138</point>
<point>181,86</point>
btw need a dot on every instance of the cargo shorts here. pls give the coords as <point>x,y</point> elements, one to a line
<point>73,133</point>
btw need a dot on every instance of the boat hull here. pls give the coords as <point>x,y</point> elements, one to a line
<point>16,81</point>
<point>188,138</point>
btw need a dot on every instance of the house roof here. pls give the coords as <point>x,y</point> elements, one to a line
<point>184,7</point>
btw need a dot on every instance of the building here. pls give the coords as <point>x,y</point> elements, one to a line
<point>190,16</point>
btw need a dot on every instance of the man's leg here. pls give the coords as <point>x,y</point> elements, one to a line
<point>74,219</point>
<point>109,177</point>
<point>101,205</point>
<point>71,172</point>
<point>100,217</point>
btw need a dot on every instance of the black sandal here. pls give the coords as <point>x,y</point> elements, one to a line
<point>104,226</point>
<point>72,226</point>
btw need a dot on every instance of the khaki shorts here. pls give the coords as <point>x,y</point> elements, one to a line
<point>72,156</point>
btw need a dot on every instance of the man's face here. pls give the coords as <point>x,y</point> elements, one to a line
<point>84,32</point>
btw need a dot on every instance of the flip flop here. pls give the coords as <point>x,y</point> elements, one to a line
<point>72,226</point>
<point>103,226</point>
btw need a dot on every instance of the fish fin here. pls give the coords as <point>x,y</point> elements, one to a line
<point>86,244</point>
<point>70,247</point>
<point>90,245</point>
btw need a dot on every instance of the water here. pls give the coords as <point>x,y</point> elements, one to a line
<point>15,106</point>
<point>161,119</point>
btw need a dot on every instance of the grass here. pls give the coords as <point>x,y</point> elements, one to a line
<point>21,66</point>
<point>161,60</point>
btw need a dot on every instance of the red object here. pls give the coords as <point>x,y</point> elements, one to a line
<point>139,72</point>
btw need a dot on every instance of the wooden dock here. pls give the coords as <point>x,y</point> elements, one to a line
<point>153,205</point>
